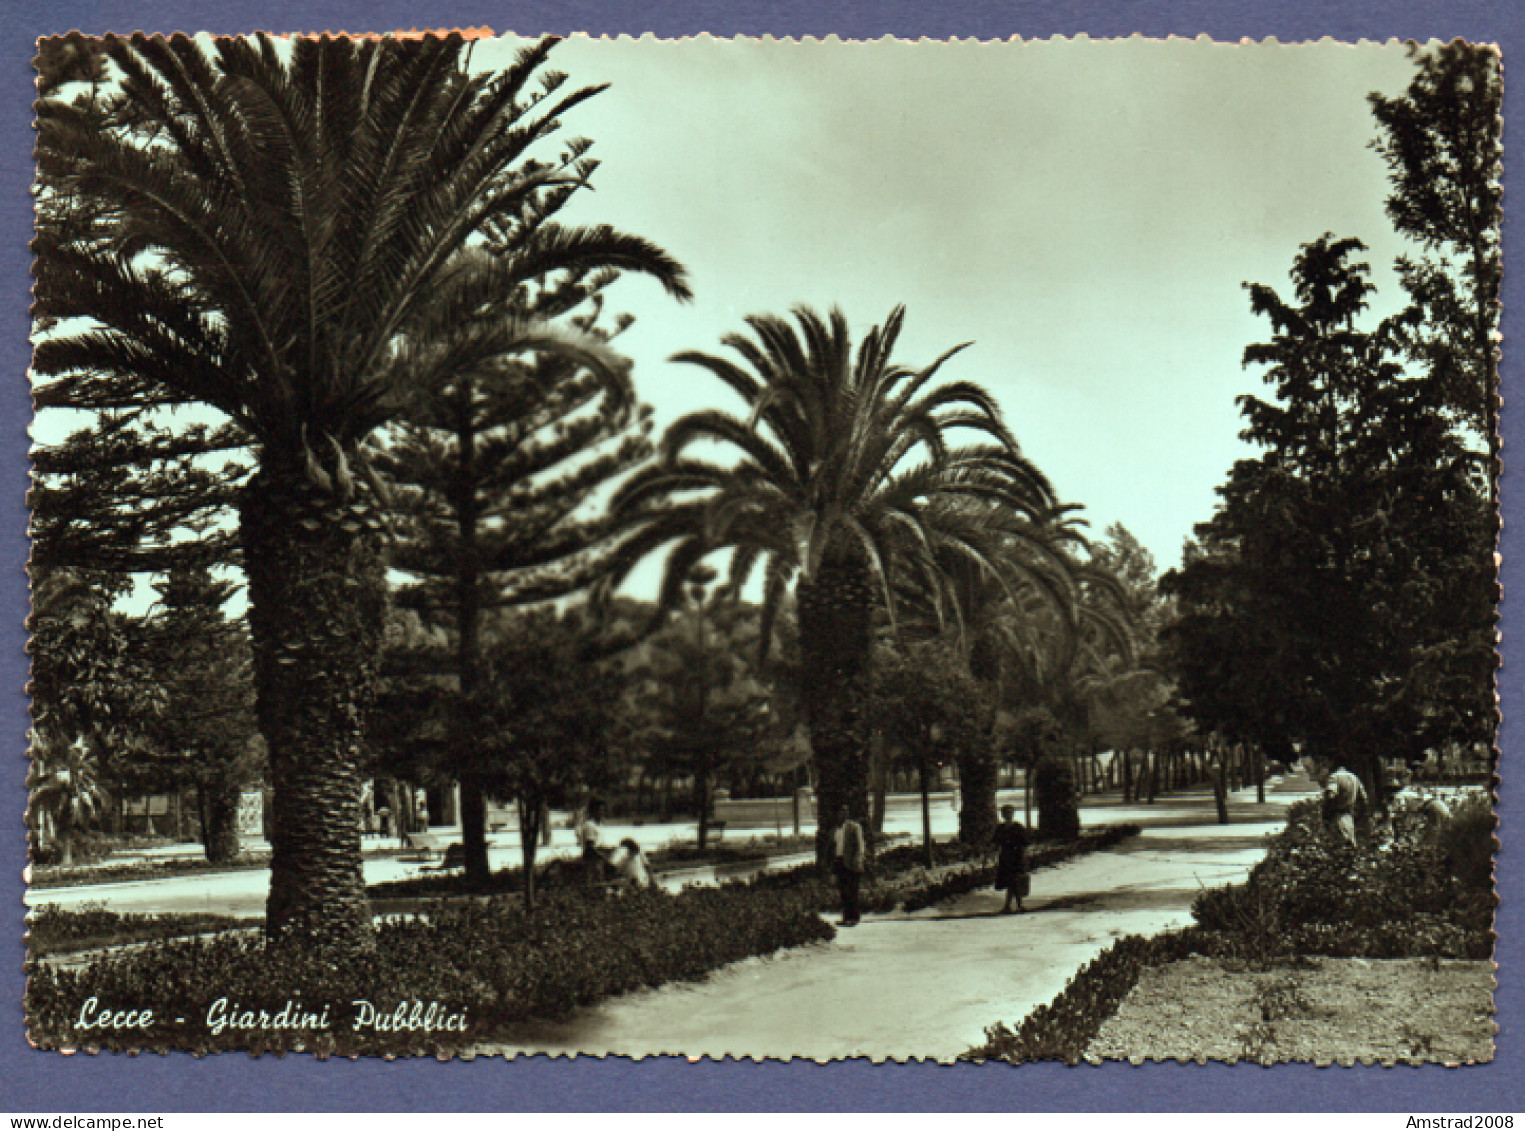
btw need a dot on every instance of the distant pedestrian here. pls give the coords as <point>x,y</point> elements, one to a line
<point>849,858</point>
<point>1011,859</point>
<point>588,835</point>
<point>1344,799</point>
<point>384,819</point>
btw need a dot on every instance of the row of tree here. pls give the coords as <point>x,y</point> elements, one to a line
<point>345,252</point>
<point>410,403</point>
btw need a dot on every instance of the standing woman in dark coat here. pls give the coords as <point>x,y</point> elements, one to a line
<point>1011,863</point>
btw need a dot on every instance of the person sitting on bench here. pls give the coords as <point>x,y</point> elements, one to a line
<point>632,866</point>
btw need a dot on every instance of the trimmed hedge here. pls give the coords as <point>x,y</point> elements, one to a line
<point>563,872</point>
<point>463,976</point>
<point>936,889</point>
<point>898,878</point>
<point>1312,894</point>
<point>53,930</point>
<point>1064,1029</point>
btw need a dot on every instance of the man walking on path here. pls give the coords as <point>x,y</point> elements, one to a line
<point>849,858</point>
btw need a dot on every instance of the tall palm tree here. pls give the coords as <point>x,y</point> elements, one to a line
<point>1021,598</point>
<point>274,214</point>
<point>836,479</point>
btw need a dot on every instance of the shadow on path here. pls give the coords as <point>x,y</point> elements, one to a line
<point>1185,846</point>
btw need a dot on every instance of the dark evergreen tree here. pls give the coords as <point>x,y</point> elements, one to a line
<point>1341,569</point>
<point>207,738</point>
<point>525,420</point>
<point>1443,145</point>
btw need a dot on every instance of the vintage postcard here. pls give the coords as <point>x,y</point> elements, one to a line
<point>755,548</point>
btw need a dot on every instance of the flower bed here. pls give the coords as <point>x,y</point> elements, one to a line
<point>53,930</point>
<point>1063,1029</point>
<point>462,976</point>
<point>1311,895</point>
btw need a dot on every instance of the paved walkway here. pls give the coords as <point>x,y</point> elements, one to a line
<point>898,986</point>
<point>242,893</point>
<point>928,984</point>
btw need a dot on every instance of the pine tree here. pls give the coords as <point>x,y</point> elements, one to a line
<point>207,734</point>
<point>527,420</point>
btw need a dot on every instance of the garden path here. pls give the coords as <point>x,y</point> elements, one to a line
<point>928,984</point>
<point>243,892</point>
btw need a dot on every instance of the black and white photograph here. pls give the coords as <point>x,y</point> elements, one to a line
<point>946,551</point>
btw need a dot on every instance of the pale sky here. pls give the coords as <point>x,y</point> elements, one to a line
<point>1083,211</point>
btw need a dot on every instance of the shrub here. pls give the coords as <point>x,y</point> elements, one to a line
<point>1311,894</point>
<point>52,930</point>
<point>492,964</point>
<point>87,846</point>
<point>1468,843</point>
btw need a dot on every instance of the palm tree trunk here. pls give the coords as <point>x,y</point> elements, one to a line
<point>977,792</point>
<point>836,654</point>
<point>317,597</point>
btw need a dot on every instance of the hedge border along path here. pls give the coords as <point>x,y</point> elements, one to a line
<point>905,883</point>
<point>1302,898</point>
<point>1064,1029</point>
<point>431,987</point>
<point>53,931</point>
<point>505,966</point>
